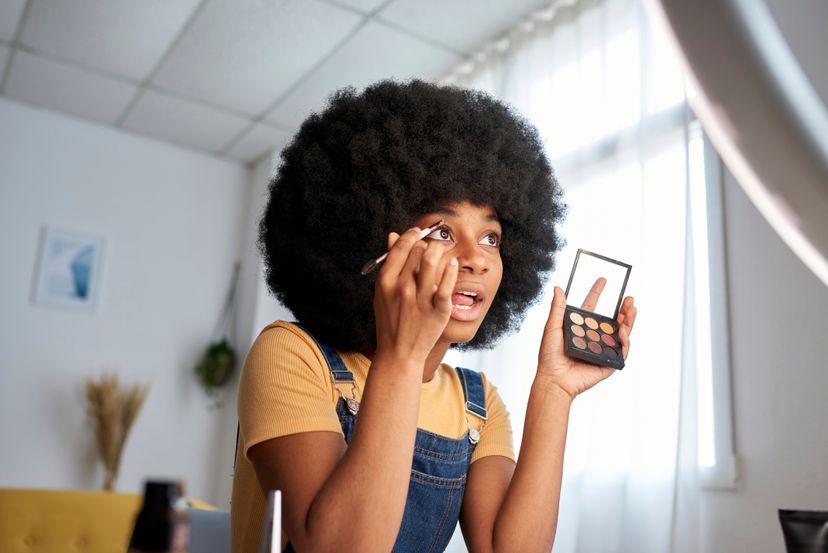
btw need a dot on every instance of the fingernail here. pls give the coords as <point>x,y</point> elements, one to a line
<point>418,229</point>
<point>453,261</point>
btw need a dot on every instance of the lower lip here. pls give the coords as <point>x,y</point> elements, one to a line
<point>469,314</point>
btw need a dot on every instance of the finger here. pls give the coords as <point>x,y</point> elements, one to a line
<point>442,297</point>
<point>556,311</point>
<point>412,264</point>
<point>591,299</point>
<point>626,317</point>
<point>398,253</point>
<point>392,238</point>
<point>624,336</point>
<point>622,312</point>
<point>633,312</point>
<point>432,266</point>
<point>553,331</point>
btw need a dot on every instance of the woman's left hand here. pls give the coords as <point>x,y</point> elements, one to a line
<point>570,375</point>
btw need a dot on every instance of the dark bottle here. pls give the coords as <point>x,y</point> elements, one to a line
<point>163,524</point>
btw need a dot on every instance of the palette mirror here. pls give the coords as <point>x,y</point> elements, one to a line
<point>587,269</point>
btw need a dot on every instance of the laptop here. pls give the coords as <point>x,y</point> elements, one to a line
<point>271,540</point>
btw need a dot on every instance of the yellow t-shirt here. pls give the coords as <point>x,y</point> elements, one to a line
<point>286,388</point>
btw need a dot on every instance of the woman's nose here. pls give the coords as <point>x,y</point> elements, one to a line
<point>470,258</point>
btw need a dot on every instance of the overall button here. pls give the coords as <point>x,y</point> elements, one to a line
<point>352,404</point>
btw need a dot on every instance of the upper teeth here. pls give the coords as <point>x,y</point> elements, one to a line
<point>472,294</point>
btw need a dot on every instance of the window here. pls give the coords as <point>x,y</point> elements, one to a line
<point>707,315</point>
<point>605,90</point>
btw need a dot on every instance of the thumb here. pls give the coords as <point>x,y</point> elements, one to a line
<point>556,312</point>
<point>553,331</point>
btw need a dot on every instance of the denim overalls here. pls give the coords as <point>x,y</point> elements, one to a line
<point>438,473</point>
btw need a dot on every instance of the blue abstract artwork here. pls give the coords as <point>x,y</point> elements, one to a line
<point>68,271</point>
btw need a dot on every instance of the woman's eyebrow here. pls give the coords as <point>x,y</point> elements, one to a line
<point>452,213</point>
<point>445,211</point>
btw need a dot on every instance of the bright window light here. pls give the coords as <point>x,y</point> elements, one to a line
<point>708,316</point>
<point>701,303</point>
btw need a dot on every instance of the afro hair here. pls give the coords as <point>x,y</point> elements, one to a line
<point>375,161</point>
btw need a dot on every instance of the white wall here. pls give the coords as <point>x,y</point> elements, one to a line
<point>173,221</point>
<point>779,353</point>
<point>256,309</point>
<point>780,386</point>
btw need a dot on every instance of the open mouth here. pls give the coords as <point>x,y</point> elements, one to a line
<point>466,303</point>
<point>464,300</point>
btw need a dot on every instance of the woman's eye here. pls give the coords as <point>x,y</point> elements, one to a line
<point>440,234</point>
<point>491,240</point>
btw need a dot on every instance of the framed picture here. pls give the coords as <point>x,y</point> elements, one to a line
<point>68,272</point>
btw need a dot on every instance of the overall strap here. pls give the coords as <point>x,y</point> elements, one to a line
<point>473,393</point>
<point>339,372</point>
<point>339,375</point>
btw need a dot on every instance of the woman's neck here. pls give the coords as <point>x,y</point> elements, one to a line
<point>432,362</point>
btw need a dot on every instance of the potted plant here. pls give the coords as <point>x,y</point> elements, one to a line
<point>219,359</point>
<point>216,366</point>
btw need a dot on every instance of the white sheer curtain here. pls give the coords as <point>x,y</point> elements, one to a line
<point>607,96</point>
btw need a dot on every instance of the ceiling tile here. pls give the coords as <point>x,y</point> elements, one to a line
<point>10,12</point>
<point>65,88</point>
<point>364,6</point>
<point>482,20</point>
<point>391,54</point>
<point>261,139</point>
<point>4,57</point>
<point>124,37</point>
<point>183,122</point>
<point>243,54</point>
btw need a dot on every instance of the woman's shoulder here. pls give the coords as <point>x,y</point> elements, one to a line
<point>284,342</point>
<point>279,327</point>
<point>283,333</point>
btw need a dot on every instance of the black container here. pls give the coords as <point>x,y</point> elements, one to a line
<point>805,531</point>
<point>163,524</point>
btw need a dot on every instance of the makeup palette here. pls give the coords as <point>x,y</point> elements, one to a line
<point>592,336</point>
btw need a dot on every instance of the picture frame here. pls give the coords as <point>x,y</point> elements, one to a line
<point>68,271</point>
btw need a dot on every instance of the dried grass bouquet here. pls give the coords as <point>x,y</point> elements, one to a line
<point>113,411</point>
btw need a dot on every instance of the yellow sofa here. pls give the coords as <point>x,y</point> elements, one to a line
<point>59,521</point>
<point>68,521</point>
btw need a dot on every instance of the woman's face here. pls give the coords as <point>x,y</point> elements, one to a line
<point>472,234</point>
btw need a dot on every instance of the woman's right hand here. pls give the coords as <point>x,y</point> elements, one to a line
<point>412,296</point>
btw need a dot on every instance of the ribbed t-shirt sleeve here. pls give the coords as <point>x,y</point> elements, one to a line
<point>284,388</point>
<point>496,436</point>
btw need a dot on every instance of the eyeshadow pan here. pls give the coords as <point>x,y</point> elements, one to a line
<point>606,327</point>
<point>579,342</point>
<point>591,323</point>
<point>608,340</point>
<point>577,330</point>
<point>576,318</point>
<point>611,353</point>
<point>592,335</point>
<point>594,347</point>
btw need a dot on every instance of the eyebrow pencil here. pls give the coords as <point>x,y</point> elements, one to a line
<point>374,263</point>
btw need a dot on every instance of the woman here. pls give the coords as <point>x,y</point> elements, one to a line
<point>375,443</point>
